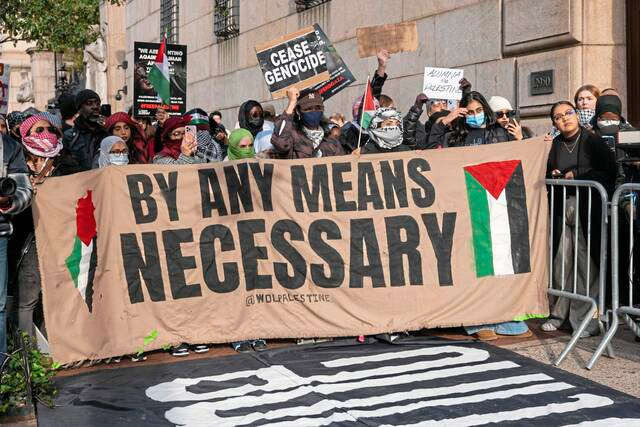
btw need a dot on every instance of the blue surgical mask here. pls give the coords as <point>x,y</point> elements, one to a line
<point>475,120</point>
<point>118,159</point>
<point>311,119</point>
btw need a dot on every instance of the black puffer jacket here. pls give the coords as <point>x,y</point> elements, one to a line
<point>83,142</point>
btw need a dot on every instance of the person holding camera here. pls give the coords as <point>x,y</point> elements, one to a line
<point>83,139</point>
<point>15,196</point>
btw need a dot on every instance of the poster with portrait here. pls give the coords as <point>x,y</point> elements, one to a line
<point>145,98</point>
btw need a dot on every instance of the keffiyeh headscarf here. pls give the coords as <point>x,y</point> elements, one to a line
<point>43,144</point>
<point>387,137</point>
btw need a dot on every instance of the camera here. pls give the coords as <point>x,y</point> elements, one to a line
<point>8,187</point>
<point>629,142</point>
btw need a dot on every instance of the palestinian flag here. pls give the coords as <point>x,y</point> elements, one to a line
<point>499,219</point>
<point>368,107</point>
<point>159,74</point>
<point>84,256</point>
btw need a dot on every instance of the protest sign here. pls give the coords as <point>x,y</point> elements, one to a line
<point>339,74</point>
<point>296,59</point>
<point>395,38</point>
<point>337,246</point>
<point>442,83</point>
<point>145,98</point>
<point>5,82</point>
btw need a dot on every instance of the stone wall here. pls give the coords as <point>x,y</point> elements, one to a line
<point>17,57</point>
<point>499,43</point>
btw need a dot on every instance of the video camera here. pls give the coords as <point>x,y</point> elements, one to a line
<point>629,142</point>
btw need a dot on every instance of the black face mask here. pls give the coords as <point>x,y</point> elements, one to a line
<point>256,122</point>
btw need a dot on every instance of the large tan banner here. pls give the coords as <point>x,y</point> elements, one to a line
<point>340,246</point>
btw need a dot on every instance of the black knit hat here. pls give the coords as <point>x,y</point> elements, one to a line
<point>608,104</point>
<point>84,95</point>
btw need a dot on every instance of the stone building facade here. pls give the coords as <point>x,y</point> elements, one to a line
<point>533,52</point>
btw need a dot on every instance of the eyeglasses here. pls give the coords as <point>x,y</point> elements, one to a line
<point>567,113</point>
<point>119,152</point>
<point>501,114</point>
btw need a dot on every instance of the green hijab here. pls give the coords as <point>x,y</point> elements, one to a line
<point>236,152</point>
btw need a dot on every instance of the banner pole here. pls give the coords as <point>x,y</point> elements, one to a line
<point>364,100</point>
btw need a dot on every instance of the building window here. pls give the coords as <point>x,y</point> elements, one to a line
<point>302,5</point>
<point>169,20</point>
<point>226,19</point>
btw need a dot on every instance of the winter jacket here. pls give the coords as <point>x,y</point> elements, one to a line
<point>441,136</point>
<point>289,142</point>
<point>15,167</point>
<point>83,142</point>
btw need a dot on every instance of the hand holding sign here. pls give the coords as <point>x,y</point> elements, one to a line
<point>443,83</point>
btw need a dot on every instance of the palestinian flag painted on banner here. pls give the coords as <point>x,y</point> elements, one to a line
<point>368,106</point>
<point>499,219</point>
<point>159,74</point>
<point>84,256</point>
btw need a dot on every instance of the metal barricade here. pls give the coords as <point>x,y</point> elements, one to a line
<point>617,310</point>
<point>597,302</point>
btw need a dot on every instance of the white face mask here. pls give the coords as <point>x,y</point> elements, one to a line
<point>605,123</point>
<point>387,137</point>
<point>118,159</point>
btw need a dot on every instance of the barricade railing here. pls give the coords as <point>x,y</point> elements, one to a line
<point>620,311</point>
<point>596,302</point>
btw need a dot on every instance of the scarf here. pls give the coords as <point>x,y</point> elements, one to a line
<point>315,135</point>
<point>236,152</point>
<point>105,149</point>
<point>386,137</point>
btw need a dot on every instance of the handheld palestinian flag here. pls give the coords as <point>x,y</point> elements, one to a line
<point>499,219</point>
<point>84,256</point>
<point>159,74</point>
<point>368,106</point>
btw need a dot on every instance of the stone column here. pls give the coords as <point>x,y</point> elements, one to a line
<point>43,76</point>
<point>112,23</point>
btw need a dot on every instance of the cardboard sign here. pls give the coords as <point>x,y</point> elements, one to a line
<point>442,83</point>
<point>392,37</point>
<point>339,74</point>
<point>296,59</point>
<point>145,98</point>
<point>331,246</point>
<point>5,74</point>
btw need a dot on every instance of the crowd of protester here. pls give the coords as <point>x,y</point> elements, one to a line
<point>78,138</point>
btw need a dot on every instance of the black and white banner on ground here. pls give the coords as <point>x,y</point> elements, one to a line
<point>296,59</point>
<point>419,382</point>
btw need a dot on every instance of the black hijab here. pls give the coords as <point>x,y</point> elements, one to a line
<point>244,120</point>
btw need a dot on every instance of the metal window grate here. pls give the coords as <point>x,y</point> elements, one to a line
<point>226,19</point>
<point>169,20</point>
<point>302,5</point>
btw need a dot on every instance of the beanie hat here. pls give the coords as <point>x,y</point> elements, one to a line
<point>310,99</point>
<point>84,95</point>
<point>197,117</point>
<point>498,103</point>
<point>171,124</point>
<point>54,119</point>
<point>120,116</point>
<point>608,104</point>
